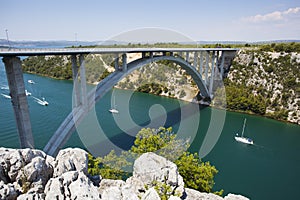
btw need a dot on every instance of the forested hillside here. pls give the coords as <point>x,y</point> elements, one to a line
<point>267,78</point>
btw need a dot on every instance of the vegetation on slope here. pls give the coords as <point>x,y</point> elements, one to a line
<point>266,82</point>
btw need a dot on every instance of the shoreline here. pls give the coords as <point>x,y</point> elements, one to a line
<point>174,97</point>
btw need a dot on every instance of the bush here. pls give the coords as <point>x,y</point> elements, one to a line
<point>196,174</point>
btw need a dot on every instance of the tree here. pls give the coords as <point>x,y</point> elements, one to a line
<point>196,174</point>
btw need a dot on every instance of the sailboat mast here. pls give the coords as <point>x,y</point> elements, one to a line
<point>244,127</point>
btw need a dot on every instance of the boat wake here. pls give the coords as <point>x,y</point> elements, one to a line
<point>6,96</point>
<point>42,101</point>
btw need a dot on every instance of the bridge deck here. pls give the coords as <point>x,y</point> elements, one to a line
<point>71,51</point>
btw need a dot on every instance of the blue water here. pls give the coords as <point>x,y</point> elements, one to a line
<point>267,170</point>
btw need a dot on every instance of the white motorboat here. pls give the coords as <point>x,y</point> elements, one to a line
<point>6,96</point>
<point>42,101</point>
<point>243,139</point>
<point>114,110</point>
<point>31,82</point>
<point>27,93</point>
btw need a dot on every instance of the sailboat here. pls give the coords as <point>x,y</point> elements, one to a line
<point>113,109</point>
<point>243,139</point>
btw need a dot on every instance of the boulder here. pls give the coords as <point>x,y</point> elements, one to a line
<point>151,194</point>
<point>38,169</point>
<point>235,197</point>
<point>151,168</point>
<point>174,198</point>
<point>11,162</point>
<point>31,196</point>
<point>191,194</point>
<point>136,185</point>
<point>70,159</point>
<point>71,185</point>
<point>128,193</point>
<point>7,191</point>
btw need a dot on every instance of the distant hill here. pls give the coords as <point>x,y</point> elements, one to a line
<point>66,43</point>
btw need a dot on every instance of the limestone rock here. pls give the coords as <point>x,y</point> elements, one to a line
<point>128,193</point>
<point>150,167</point>
<point>174,198</point>
<point>194,194</point>
<point>136,185</point>
<point>71,185</point>
<point>7,192</point>
<point>116,190</point>
<point>109,183</point>
<point>31,196</point>
<point>235,197</point>
<point>70,159</point>
<point>11,162</point>
<point>37,170</point>
<point>151,194</point>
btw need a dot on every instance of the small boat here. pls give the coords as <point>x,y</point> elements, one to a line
<point>4,88</point>
<point>243,139</point>
<point>114,110</point>
<point>31,82</point>
<point>42,102</point>
<point>6,96</point>
<point>27,93</point>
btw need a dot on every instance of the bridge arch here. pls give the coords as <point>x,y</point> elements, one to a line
<point>106,84</point>
<point>68,126</point>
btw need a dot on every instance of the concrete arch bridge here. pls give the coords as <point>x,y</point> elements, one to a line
<point>205,65</point>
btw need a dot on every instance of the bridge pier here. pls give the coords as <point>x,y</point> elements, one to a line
<point>124,62</point>
<point>187,56</point>
<point>212,74</point>
<point>16,85</point>
<point>83,81</point>
<point>75,69</point>
<point>195,59</point>
<point>117,62</point>
<point>201,64</point>
<point>206,67</point>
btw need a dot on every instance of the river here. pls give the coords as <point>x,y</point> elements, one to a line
<point>269,169</point>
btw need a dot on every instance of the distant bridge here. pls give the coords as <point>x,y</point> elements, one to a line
<point>205,65</point>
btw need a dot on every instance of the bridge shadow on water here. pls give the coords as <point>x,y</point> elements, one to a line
<point>124,141</point>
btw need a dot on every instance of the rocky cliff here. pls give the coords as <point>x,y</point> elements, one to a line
<point>27,174</point>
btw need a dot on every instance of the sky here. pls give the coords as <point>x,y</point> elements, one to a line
<point>198,20</point>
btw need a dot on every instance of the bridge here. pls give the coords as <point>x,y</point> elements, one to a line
<point>205,65</point>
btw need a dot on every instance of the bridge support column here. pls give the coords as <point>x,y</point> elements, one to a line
<point>222,65</point>
<point>206,66</point>
<point>201,63</point>
<point>124,62</point>
<point>187,57</point>
<point>143,54</point>
<point>195,59</point>
<point>75,80</point>
<point>117,62</point>
<point>19,100</point>
<point>212,74</point>
<point>83,81</point>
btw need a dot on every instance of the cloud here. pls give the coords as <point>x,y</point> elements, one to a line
<point>273,16</point>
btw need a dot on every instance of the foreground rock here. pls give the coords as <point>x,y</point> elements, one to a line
<point>27,174</point>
